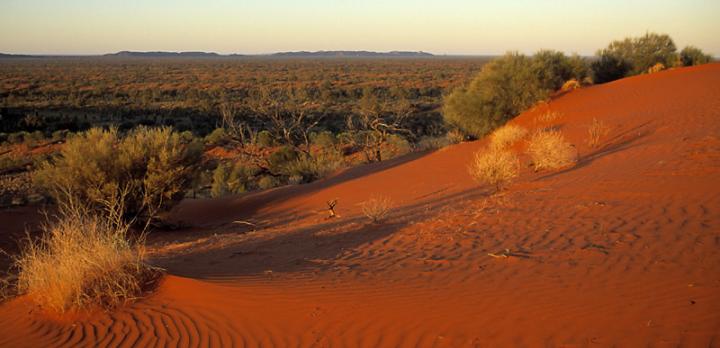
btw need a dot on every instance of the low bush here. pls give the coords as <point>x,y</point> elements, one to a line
<point>218,137</point>
<point>549,150</point>
<point>267,182</point>
<point>134,176</point>
<point>317,166</point>
<point>656,68</point>
<point>82,261</point>
<point>506,136</point>
<point>596,132</point>
<point>376,208</point>
<point>494,167</point>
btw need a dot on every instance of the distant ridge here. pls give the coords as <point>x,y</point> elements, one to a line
<point>161,54</point>
<point>352,54</point>
<point>5,55</point>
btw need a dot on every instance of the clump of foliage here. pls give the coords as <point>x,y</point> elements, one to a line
<point>638,55</point>
<point>81,261</point>
<point>691,55</point>
<point>507,86</point>
<point>548,149</point>
<point>134,176</point>
<point>494,166</point>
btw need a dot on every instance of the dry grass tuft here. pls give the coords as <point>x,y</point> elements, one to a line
<point>376,208</point>
<point>570,85</point>
<point>656,68</point>
<point>494,167</point>
<point>506,136</point>
<point>82,261</point>
<point>548,117</point>
<point>549,150</point>
<point>596,132</point>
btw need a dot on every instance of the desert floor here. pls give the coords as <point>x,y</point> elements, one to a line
<point>620,250</point>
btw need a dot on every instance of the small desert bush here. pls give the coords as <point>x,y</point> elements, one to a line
<point>494,166</point>
<point>506,136</point>
<point>317,166</point>
<point>218,137</point>
<point>232,178</point>
<point>570,85</point>
<point>549,150</point>
<point>141,173</point>
<point>656,68</point>
<point>596,132</point>
<point>267,182</point>
<point>376,208</point>
<point>82,261</point>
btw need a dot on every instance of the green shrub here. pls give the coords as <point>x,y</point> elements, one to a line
<point>218,137</point>
<point>323,139</point>
<point>232,178</point>
<point>264,139</point>
<point>278,160</point>
<point>691,55</point>
<point>317,166</point>
<point>267,182</point>
<point>633,56</point>
<point>133,176</point>
<point>503,88</point>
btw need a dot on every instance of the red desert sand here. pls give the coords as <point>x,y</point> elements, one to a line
<point>621,249</point>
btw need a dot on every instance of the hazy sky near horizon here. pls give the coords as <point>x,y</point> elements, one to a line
<point>266,26</point>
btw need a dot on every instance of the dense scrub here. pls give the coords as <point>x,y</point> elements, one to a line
<point>507,86</point>
<point>638,55</point>
<point>132,176</point>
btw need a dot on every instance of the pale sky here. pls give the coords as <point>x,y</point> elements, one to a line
<point>266,26</point>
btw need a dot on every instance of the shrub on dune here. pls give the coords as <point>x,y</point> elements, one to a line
<point>494,167</point>
<point>633,56</point>
<point>507,86</point>
<point>691,55</point>
<point>376,208</point>
<point>82,261</point>
<point>506,136</point>
<point>548,149</point>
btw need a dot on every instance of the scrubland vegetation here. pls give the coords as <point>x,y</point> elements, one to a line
<point>115,142</point>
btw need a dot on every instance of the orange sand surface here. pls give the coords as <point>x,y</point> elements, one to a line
<point>622,249</point>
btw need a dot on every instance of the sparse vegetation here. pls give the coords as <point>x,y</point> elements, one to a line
<point>548,149</point>
<point>82,261</point>
<point>596,132</point>
<point>376,208</point>
<point>494,166</point>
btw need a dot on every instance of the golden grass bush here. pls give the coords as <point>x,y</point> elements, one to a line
<point>658,67</point>
<point>570,85</point>
<point>494,167</point>
<point>548,149</point>
<point>596,132</point>
<point>506,136</point>
<point>82,261</point>
<point>548,117</point>
<point>376,208</point>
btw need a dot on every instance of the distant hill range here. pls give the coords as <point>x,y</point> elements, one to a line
<point>352,54</point>
<point>193,54</point>
<point>160,54</point>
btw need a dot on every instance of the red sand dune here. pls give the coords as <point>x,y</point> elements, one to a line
<point>620,250</point>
